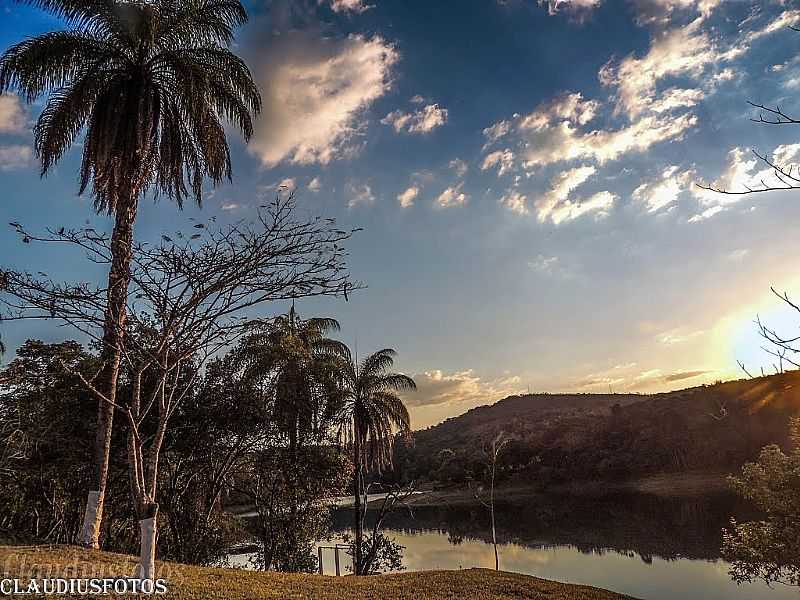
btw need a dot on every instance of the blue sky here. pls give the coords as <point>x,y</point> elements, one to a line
<point>524,172</point>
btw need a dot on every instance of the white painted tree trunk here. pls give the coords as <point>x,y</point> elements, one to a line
<point>90,534</point>
<point>147,556</point>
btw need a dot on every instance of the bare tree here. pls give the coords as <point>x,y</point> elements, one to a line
<point>492,453</point>
<point>186,302</point>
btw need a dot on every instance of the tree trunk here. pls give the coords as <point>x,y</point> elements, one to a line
<point>494,529</point>
<point>113,336</point>
<point>359,524</point>
<point>268,552</point>
<point>149,535</point>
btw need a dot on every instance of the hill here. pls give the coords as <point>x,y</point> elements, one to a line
<point>201,583</point>
<point>568,437</point>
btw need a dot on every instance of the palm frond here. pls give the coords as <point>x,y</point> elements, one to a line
<point>323,325</point>
<point>64,116</point>
<point>150,83</point>
<point>378,362</point>
<point>201,22</point>
<point>53,61</point>
<point>75,12</point>
<point>397,381</point>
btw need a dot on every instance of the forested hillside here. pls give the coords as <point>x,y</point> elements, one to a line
<point>569,437</point>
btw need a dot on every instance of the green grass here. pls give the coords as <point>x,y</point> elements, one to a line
<point>200,583</point>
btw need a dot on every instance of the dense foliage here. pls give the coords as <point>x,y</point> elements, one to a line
<point>46,434</point>
<point>262,427</point>
<point>557,438</point>
<point>769,549</point>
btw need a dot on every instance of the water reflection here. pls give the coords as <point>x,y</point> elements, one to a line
<point>646,546</point>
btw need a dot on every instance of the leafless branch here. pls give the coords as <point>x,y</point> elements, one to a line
<point>188,299</point>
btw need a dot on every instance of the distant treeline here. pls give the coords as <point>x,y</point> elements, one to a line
<point>577,437</point>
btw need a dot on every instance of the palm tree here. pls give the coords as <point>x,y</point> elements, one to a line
<point>150,82</point>
<point>372,412</point>
<point>299,362</point>
<point>295,363</point>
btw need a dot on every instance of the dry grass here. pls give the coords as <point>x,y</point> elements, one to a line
<point>198,583</point>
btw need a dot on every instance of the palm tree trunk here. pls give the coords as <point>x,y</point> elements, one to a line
<point>113,335</point>
<point>359,524</point>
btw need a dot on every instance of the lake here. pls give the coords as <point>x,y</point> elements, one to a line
<point>646,546</point>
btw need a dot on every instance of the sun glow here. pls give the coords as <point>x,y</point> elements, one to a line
<point>738,337</point>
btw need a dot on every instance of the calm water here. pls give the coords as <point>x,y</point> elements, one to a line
<point>644,546</point>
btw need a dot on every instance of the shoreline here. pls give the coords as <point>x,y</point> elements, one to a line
<point>665,485</point>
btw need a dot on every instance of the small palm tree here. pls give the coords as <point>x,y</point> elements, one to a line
<point>371,412</point>
<point>299,362</point>
<point>150,82</point>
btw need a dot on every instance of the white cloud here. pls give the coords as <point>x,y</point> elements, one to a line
<point>437,387</point>
<point>678,336</point>
<point>228,206</point>
<point>788,18</point>
<point>451,197</point>
<point>676,98</point>
<point>406,198</point>
<point>561,187</point>
<point>359,193</point>
<point>664,191</point>
<point>786,156</point>
<point>706,214</point>
<point>12,114</point>
<point>552,266</point>
<point>314,91</point>
<point>650,11</point>
<point>315,185</point>
<point>554,132</point>
<point>417,99</point>
<point>543,264</point>
<point>727,74</point>
<point>421,121</point>
<point>496,132</point>
<point>345,6</point>
<point>736,177</point>
<point>15,156</point>
<point>556,204</point>
<point>682,51</point>
<point>738,255</point>
<point>459,166</point>
<point>650,93</point>
<point>562,142</point>
<point>625,378</point>
<point>503,159</point>
<point>554,6</point>
<point>288,184</point>
<point>515,202</point>
<point>744,172</point>
<point>569,106</point>
<point>600,203</point>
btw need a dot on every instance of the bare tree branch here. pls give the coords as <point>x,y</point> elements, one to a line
<point>188,299</point>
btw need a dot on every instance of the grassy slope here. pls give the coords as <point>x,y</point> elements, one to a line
<point>198,583</point>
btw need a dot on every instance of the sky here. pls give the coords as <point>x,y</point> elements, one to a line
<point>525,173</point>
